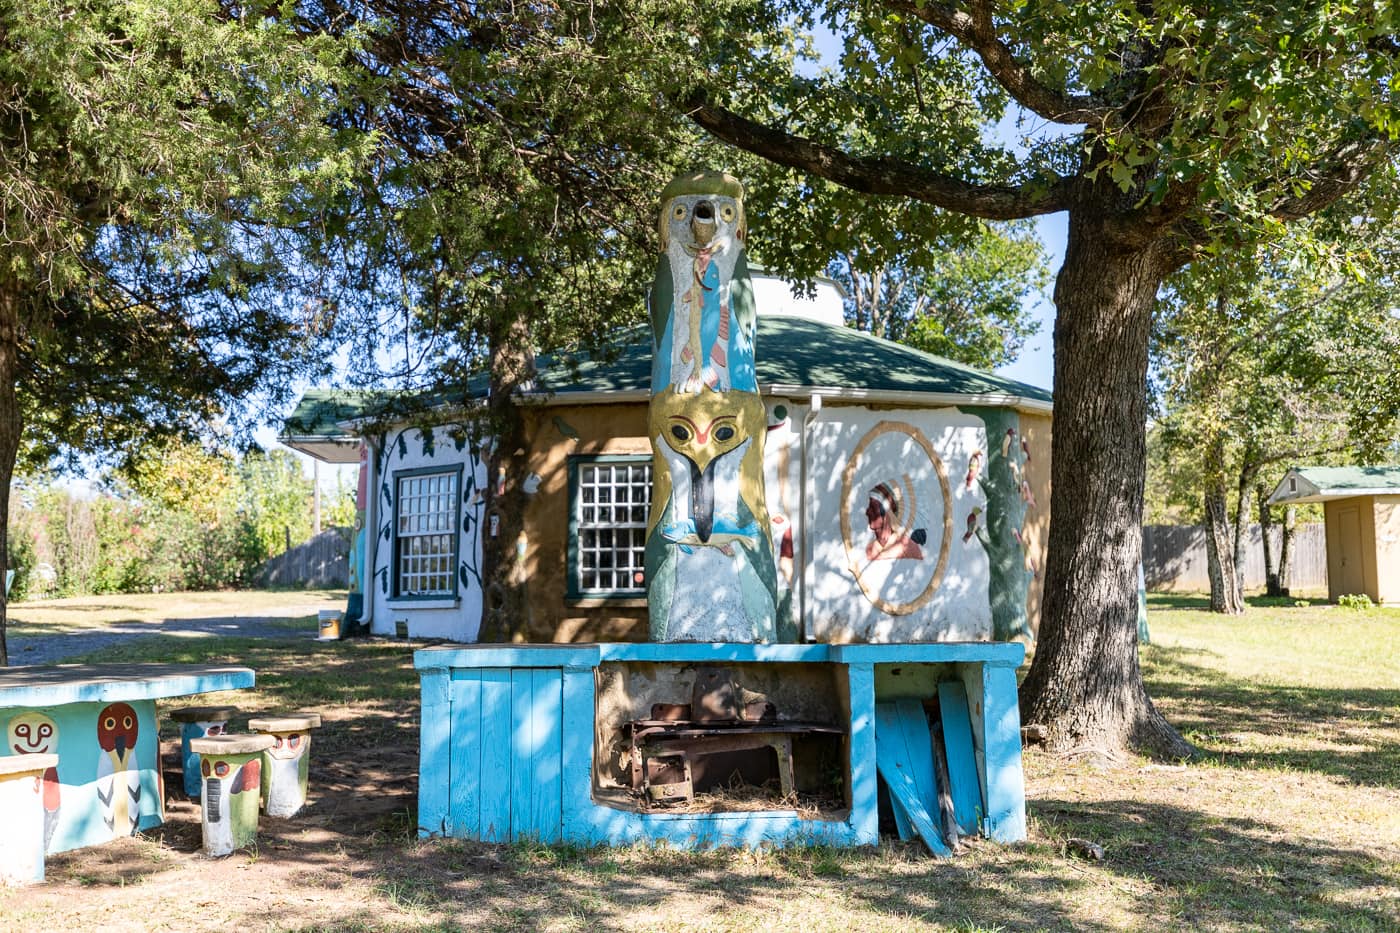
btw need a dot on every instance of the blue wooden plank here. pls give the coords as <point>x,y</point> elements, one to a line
<point>114,683</point>
<point>434,737</point>
<point>715,652</point>
<point>496,753</point>
<point>889,736</point>
<point>579,810</point>
<point>988,652</point>
<point>464,795</point>
<point>966,789</point>
<point>522,754</point>
<point>463,657</point>
<point>902,788</point>
<point>865,788</point>
<point>547,727</point>
<point>1001,744</point>
<point>903,726</point>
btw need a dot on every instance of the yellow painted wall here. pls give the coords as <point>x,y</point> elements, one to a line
<point>1036,431</point>
<point>1387,535</point>
<point>602,429</point>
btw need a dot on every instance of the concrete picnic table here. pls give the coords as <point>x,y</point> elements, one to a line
<point>100,719</point>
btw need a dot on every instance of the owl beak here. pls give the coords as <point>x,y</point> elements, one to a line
<point>702,223</point>
<point>702,499</point>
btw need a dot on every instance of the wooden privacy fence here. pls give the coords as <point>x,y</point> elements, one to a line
<point>1174,558</point>
<point>320,562</point>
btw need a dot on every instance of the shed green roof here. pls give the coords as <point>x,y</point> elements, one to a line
<point>1319,484</point>
<point>795,356</point>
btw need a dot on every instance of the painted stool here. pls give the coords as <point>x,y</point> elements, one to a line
<point>285,763</point>
<point>22,810</point>
<point>196,722</point>
<point>231,766</point>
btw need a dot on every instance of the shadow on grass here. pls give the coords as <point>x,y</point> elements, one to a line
<point>1182,868</point>
<point>1359,726</point>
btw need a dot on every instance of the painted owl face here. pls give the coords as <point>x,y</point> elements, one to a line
<point>704,426</point>
<point>288,746</point>
<point>697,221</point>
<point>116,728</point>
<point>32,733</point>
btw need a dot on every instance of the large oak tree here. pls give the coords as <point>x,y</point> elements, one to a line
<point>1163,129</point>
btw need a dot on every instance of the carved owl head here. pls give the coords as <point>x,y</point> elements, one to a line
<point>703,209</point>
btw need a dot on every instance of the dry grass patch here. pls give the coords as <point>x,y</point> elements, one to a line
<point>1289,822</point>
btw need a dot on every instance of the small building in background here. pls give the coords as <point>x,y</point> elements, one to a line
<point>908,494</point>
<point>1361,508</point>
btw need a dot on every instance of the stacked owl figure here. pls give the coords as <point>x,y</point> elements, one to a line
<point>709,554</point>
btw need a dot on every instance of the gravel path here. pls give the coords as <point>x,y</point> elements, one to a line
<point>53,649</point>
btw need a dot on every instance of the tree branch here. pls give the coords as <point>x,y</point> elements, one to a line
<point>1349,166</point>
<point>877,175</point>
<point>976,32</point>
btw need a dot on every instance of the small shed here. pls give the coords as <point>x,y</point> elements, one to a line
<point>1361,507</point>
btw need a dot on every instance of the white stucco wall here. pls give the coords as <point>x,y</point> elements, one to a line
<point>456,617</point>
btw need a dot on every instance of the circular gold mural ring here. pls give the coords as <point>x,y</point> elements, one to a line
<point>847,486</point>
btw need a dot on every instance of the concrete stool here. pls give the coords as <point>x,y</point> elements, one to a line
<point>195,723</point>
<point>232,769</point>
<point>285,763</point>
<point>22,813</point>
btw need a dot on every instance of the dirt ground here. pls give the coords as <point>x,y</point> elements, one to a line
<point>1291,820</point>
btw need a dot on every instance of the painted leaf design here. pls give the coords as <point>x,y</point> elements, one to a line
<point>402,445</point>
<point>429,442</point>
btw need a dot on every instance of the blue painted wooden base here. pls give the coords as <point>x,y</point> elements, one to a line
<point>507,747</point>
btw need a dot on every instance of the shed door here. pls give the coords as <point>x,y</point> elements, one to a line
<point>1349,560</point>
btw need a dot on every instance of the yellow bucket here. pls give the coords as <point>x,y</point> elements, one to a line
<point>330,624</point>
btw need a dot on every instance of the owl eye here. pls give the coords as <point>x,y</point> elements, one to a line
<point>725,433</point>
<point>678,212</point>
<point>126,722</point>
<point>204,766</point>
<point>726,213</point>
<point>221,768</point>
<point>110,723</point>
<point>679,433</point>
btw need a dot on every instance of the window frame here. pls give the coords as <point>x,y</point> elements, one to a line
<point>573,590</point>
<point>396,594</point>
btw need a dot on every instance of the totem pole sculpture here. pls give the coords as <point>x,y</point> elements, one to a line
<point>709,555</point>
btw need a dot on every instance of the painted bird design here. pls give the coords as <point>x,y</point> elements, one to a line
<point>222,780</point>
<point>709,559</point>
<point>974,464</point>
<point>118,782</point>
<point>972,523</point>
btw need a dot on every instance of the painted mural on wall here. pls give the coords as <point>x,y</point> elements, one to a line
<point>1010,501</point>
<point>107,780</point>
<point>709,555</point>
<point>429,466</point>
<point>897,507</point>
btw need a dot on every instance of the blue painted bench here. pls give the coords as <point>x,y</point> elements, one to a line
<point>508,740</point>
<point>101,722</point>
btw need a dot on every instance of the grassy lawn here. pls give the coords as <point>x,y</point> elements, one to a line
<point>1291,819</point>
<point>84,613</point>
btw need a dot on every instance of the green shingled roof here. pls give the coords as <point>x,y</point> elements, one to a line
<point>1320,484</point>
<point>793,353</point>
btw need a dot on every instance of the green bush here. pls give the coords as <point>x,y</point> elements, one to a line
<point>1355,601</point>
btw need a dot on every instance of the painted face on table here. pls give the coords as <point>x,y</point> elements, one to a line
<point>32,733</point>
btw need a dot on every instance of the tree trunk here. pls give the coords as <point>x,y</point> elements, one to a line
<point>1220,556</point>
<point>1240,533</point>
<point>1225,596</point>
<point>1285,550</point>
<point>504,610</point>
<point>10,426</point>
<point>1085,685</point>
<point>1266,527</point>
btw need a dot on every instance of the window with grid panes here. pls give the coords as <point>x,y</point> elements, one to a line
<point>425,545</point>
<point>611,499</point>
